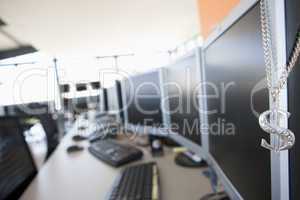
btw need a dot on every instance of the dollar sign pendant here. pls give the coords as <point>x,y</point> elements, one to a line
<point>286,136</point>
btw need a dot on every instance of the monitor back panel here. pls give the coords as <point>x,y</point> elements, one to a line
<point>182,81</point>
<point>292,26</point>
<point>143,99</point>
<point>112,97</point>
<point>234,72</point>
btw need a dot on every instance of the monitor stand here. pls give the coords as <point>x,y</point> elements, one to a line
<point>215,196</point>
<point>190,160</point>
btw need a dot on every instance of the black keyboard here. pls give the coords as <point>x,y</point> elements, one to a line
<point>114,153</point>
<point>140,182</point>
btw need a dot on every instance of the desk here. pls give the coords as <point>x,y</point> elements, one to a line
<point>81,176</point>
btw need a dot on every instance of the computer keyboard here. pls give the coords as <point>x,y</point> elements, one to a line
<point>140,182</point>
<point>114,153</point>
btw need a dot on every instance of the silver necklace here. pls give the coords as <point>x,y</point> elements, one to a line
<point>269,120</point>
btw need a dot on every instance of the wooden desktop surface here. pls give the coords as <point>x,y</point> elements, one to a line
<point>81,176</point>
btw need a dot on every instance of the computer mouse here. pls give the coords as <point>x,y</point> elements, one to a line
<point>78,138</point>
<point>74,148</point>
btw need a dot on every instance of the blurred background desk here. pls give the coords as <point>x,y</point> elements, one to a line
<point>81,176</point>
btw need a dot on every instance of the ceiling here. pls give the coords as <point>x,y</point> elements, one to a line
<point>100,27</point>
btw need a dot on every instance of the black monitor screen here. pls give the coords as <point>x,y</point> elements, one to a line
<point>237,93</point>
<point>120,99</point>
<point>68,105</point>
<point>103,100</point>
<point>81,87</point>
<point>95,85</point>
<point>16,165</point>
<point>143,99</point>
<point>94,99</point>
<point>115,103</point>
<point>182,80</point>
<point>29,109</point>
<point>65,88</point>
<point>81,104</point>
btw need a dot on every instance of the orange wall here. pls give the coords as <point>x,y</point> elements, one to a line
<point>212,12</point>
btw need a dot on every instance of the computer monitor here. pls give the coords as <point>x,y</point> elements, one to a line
<point>29,109</point>
<point>68,105</point>
<point>42,112</point>
<point>17,168</point>
<point>143,99</point>
<point>234,75</point>
<point>80,104</point>
<point>95,85</point>
<point>120,100</point>
<point>103,100</point>
<point>182,80</point>
<point>65,88</point>
<point>81,86</point>
<point>94,101</point>
<point>114,100</point>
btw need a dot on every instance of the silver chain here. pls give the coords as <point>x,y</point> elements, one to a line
<point>269,54</point>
